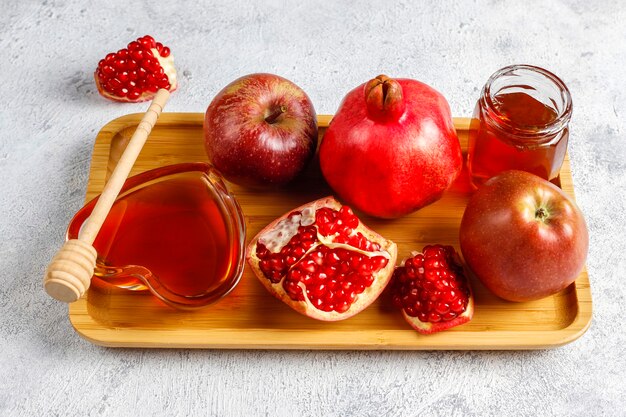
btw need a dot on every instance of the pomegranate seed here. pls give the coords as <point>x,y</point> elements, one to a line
<point>379,262</point>
<point>342,307</point>
<point>134,45</point>
<point>119,64</point>
<point>459,306</point>
<point>277,263</point>
<point>166,86</point>
<point>434,317</point>
<point>165,52</point>
<point>108,70</point>
<point>431,274</point>
<point>265,265</point>
<point>110,57</point>
<point>449,316</point>
<point>449,295</point>
<point>368,280</point>
<point>114,84</point>
<point>138,54</point>
<point>325,307</point>
<point>442,308</point>
<point>133,94</point>
<point>147,41</point>
<point>151,79</point>
<point>150,64</point>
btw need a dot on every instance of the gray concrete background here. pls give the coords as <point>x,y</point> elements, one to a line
<point>51,112</point>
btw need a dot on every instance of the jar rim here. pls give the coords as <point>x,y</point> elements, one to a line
<point>557,124</point>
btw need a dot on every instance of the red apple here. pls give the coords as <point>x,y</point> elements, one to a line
<point>523,237</point>
<point>260,130</point>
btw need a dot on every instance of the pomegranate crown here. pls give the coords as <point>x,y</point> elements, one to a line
<point>384,98</point>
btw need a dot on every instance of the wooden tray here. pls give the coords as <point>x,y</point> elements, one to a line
<point>251,318</point>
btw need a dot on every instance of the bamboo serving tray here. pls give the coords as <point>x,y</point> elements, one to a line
<point>251,318</point>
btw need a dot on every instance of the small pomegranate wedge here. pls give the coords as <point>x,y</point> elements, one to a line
<point>432,290</point>
<point>137,72</point>
<point>322,261</point>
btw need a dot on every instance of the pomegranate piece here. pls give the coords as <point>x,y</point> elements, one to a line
<point>137,72</point>
<point>322,261</point>
<point>432,290</point>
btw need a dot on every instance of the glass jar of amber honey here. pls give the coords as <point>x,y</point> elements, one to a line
<point>520,122</point>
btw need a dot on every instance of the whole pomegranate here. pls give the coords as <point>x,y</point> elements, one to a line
<point>322,261</point>
<point>391,148</point>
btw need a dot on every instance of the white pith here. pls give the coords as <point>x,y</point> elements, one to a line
<point>276,239</point>
<point>167,63</point>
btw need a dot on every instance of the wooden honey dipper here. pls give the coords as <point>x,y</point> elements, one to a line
<point>69,274</point>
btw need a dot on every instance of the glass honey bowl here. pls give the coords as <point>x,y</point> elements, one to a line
<point>175,231</point>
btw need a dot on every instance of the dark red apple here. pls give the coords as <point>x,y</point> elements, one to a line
<point>260,130</point>
<point>523,237</point>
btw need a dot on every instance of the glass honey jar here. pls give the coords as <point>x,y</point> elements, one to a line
<point>520,122</point>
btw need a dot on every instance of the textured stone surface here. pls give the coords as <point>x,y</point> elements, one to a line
<point>50,115</point>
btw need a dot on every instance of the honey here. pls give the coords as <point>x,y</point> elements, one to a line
<point>174,231</point>
<point>520,122</point>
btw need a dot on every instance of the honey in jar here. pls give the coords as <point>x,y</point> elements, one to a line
<point>520,122</point>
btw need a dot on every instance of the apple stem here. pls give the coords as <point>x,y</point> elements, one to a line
<point>541,214</point>
<point>275,114</point>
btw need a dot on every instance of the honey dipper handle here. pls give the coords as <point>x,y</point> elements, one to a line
<point>112,188</point>
<point>69,274</point>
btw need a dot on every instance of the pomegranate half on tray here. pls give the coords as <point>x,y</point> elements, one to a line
<point>322,261</point>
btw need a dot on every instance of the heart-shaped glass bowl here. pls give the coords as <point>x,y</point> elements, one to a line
<point>176,231</point>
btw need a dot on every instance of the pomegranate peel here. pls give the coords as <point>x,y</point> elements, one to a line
<point>432,290</point>
<point>321,261</point>
<point>135,73</point>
